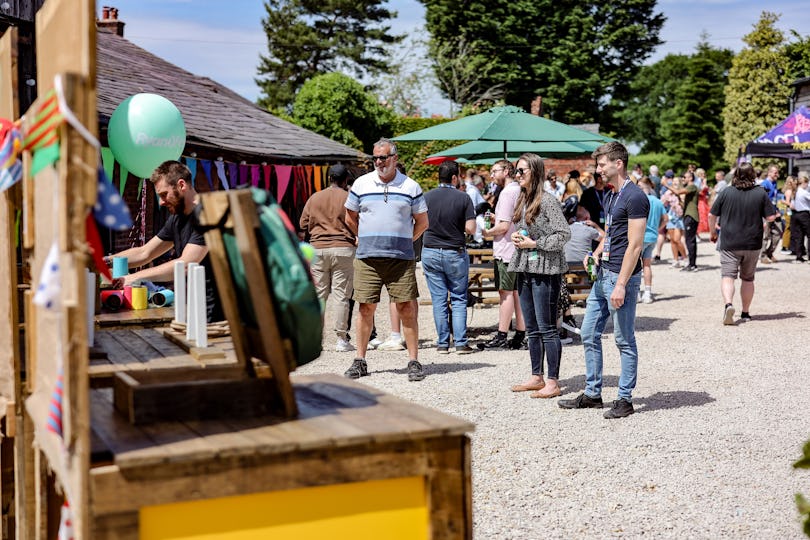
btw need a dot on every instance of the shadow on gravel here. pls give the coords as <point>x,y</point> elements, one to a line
<point>779,316</point>
<point>666,298</point>
<point>653,324</point>
<point>440,368</point>
<point>672,400</point>
<point>577,384</point>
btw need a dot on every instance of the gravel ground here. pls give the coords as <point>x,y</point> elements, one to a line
<point>719,418</point>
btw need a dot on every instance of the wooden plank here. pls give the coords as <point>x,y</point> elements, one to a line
<point>116,526</point>
<point>195,481</point>
<point>130,317</point>
<point>215,208</point>
<point>243,212</point>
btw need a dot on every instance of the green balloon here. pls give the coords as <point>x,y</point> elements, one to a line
<point>144,131</point>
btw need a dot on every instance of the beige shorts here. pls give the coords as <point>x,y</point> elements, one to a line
<point>397,275</point>
<point>742,261</point>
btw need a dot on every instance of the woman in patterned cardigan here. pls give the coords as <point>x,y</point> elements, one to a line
<point>539,261</point>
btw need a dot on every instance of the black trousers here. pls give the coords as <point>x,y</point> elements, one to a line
<point>800,232</point>
<point>690,227</point>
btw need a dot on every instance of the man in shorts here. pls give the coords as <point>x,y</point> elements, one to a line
<point>502,250</point>
<point>387,211</point>
<point>740,209</point>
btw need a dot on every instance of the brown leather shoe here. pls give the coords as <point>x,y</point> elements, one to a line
<point>528,387</point>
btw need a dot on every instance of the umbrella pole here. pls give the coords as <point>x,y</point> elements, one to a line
<point>505,155</point>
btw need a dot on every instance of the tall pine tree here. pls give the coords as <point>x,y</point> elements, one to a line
<point>758,86</point>
<point>695,133</point>
<point>308,37</point>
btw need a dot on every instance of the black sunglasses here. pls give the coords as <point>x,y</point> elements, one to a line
<point>382,158</point>
<point>521,172</point>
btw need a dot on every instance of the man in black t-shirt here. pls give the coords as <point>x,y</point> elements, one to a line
<point>740,209</point>
<point>173,187</point>
<point>444,257</point>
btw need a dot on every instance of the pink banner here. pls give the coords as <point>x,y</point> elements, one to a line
<point>243,174</point>
<point>283,173</point>
<point>267,170</point>
<point>254,175</point>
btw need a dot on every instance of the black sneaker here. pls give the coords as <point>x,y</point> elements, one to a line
<point>582,401</point>
<point>657,259</point>
<point>415,371</point>
<point>518,341</point>
<point>745,317</point>
<point>443,350</point>
<point>464,349</point>
<point>497,342</point>
<point>621,409</point>
<point>359,369</point>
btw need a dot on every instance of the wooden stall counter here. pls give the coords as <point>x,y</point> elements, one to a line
<point>357,463</point>
<point>144,318</point>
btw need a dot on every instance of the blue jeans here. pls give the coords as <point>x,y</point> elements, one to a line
<point>447,272</point>
<point>624,329</point>
<point>539,294</point>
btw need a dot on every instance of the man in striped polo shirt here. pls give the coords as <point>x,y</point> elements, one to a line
<point>388,212</point>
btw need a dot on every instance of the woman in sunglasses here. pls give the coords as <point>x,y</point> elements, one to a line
<point>539,261</point>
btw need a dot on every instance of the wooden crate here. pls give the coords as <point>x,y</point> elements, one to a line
<point>356,463</point>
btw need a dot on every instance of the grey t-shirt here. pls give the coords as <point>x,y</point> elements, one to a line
<point>580,243</point>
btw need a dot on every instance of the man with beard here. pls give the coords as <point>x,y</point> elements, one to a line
<point>173,187</point>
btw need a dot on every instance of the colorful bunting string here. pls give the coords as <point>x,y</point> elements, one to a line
<point>54,423</point>
<point>48,294</point>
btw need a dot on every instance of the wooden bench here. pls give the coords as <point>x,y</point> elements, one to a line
<point>578,282</point>
<point>477,274</point>
<point>480,255</point>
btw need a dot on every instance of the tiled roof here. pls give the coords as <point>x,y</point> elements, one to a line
<point>218,121</point>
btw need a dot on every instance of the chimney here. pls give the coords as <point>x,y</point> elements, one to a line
<point>537,106</point>
<point>109,21</point>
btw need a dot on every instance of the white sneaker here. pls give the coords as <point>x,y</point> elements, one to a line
<point>343,346</point>
<point>374,343</point>
<point>647,298</point>
<point>392,345</point>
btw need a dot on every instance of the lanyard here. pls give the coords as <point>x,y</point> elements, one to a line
<point>611,203</point>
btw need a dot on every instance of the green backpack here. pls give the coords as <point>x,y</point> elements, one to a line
<point>298,310</point>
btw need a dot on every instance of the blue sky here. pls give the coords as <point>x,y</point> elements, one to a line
<point>223,39</point>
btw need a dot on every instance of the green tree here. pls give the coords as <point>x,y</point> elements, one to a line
<point>695,132</point>
<point>798,52</point>
<point>575,54</point>
<point>652,106</point>
<point>338,107</point>
<point>308,37</point>
<point>758,86</point>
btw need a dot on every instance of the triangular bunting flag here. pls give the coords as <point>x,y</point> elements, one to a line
<point>10,146</point>
<point>283,173</point>
<point>254,175</point>
<point>191,163</point>
<point>44,132</point>
<point>66,531</point>
<point>49,290</point>
<point>110,209</point>
<point>243,174</point>
<point>267,170</point>
<point>221,174</point>
<point>233,174</point>
<point>97,249</point>
<point>54,424</point>
<point>123,175</point>
<point>206,165</point>
<point>108,160</point>
<point>44,157</point>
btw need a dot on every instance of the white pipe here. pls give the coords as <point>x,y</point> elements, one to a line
<point>191,310</point>
<point>180,291</point>
<point>199,302</point>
